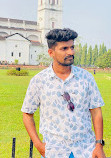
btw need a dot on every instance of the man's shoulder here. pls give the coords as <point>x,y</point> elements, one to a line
<point>82,71</point>
<point>42,74</point>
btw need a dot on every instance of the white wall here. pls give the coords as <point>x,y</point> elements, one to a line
<point>17,44</point>
<point>34,52</point>
<point>2,50</point>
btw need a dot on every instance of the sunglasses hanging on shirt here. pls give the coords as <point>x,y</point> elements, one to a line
<point>70,105</point>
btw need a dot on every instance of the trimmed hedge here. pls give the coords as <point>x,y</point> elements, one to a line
<point>18,73</point>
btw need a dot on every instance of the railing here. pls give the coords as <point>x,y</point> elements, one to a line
<point>14,146</point>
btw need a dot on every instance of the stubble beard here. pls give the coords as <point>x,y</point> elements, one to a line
<point>69,63</point>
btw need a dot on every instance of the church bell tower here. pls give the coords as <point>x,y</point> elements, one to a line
<point>49,16</point>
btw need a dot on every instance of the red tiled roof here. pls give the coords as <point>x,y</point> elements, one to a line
<point>37,43</point>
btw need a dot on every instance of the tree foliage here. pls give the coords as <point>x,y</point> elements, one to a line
<point>84,55</point>
<point>104,60</point>
<point>91,57</point>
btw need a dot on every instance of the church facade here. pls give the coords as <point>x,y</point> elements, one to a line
<point>24,40</point>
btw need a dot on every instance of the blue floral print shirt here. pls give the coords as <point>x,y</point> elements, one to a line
<point>46,92</point>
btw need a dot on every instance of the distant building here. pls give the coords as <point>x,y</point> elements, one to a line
<point>24,40</point>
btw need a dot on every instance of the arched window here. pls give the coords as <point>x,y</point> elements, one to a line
<point>3,34</point>
<point>57,1</point>
<point>49,1</point>
<point>33,37</point>
<point>41,2</point>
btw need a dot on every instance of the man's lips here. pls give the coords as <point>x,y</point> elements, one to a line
<point>69,57</point>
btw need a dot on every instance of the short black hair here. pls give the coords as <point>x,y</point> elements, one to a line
<point>59,35</point>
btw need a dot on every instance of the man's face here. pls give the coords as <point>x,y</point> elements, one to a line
<point>63,53</point>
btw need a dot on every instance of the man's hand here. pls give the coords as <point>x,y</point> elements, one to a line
<point>98,128</point>
<point>31,129</point>
<point>98,152</point>
<point>41,149</point>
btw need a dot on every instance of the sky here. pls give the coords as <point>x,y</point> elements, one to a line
<point>91,19</point>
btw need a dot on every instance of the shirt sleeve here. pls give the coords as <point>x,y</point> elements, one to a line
<point>32,100</point>
<point>95,99</point>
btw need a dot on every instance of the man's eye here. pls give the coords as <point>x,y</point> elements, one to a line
<point>64,48</point>
<point>72,47</point>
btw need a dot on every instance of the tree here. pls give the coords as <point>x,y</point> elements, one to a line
<point>84,54</point>
<point>89,56</point>
<point>102,49</point>
<point>107,57</point>
<point>77,56</point>
<point>94,54</point>
<point>104,60</point>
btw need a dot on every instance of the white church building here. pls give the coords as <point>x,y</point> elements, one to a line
<point>24,40</point>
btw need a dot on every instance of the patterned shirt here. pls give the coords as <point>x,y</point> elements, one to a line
<point>46,91</point>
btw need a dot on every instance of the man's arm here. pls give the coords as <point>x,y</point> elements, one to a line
<point>98,128</point>
<point>31,129</point>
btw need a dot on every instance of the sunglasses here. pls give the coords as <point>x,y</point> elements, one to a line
<point>66,97</point>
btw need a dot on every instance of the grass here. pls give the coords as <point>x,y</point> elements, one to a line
<point>12,93</point>
<point>104,85</point>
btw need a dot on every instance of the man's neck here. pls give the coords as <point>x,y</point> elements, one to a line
<point>61,71</point>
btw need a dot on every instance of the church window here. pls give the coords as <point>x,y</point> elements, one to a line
<point>49,1</point>
<point>41,2</point>
<point>53,25</point>
<point>12,54</point>
<point>31,56</point>
<point>57,1</point>
<point>19,54</point>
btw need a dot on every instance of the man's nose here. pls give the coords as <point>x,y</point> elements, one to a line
<point>71,52</point>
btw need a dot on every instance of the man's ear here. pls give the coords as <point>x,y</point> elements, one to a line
<point>51,52</point>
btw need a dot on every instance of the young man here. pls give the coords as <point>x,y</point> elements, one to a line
<point>67,97</point>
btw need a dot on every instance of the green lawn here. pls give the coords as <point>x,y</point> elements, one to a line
<point>12,93</point>
<point>104,84</point>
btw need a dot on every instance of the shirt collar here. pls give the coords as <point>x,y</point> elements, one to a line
<point>51,71</point>
<point>74,71</point>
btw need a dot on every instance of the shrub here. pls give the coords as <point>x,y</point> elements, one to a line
<point>17,73</point>
<point>16,61</point>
